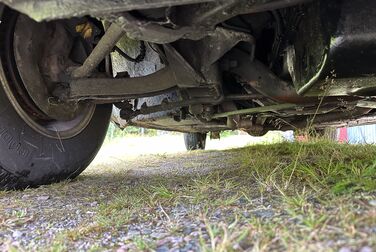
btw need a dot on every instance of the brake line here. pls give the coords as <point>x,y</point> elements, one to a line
<point>138,59</point>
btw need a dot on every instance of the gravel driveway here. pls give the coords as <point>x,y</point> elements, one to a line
<point>198,201</point>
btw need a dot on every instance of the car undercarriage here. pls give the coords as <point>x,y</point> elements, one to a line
<point>206,66</point>
<point>250,65</point>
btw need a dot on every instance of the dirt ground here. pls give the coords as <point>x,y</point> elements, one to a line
<point>148,194</point>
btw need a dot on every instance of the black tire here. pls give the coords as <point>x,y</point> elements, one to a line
<point>29,158</point>
<point>195,141</point>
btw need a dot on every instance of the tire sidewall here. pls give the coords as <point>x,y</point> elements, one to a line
<point>32,159</point>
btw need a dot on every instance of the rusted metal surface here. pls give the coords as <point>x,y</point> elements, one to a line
<point>166,106</point>
<point>29,65</point>
<point>186,75</point>
<point>208,14</point>
<point>334,117</point>
<point>104,47</point>
<point>41,10</point>
<point>212,58</point>
<point>195,21</point>
<point>83,89</point>
<point>255,110</point>
<point>259,77</point>
<point>204,53</point>
<point>40,61</point>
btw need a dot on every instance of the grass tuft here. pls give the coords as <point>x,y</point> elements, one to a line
<point>318,166</point>
<point>311,196</point>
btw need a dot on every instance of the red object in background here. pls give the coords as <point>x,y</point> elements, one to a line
<point>301,138</point>
<point>342,137</point>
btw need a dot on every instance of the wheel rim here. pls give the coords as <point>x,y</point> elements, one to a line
<point>13,74</point>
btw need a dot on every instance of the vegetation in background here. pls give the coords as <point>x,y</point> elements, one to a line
<point>114,132</point>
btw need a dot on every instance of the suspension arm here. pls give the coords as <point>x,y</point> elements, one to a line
<point>94,88</point>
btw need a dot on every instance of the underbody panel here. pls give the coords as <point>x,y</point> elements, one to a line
<point>200,66</point>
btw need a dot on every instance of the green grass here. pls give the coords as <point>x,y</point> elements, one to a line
<point>318,193</point>
<point>322,166</point>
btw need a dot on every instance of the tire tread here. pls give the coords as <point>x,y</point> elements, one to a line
<point>8,180</point>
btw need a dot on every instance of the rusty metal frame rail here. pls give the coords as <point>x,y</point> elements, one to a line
<point>255,110</point>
